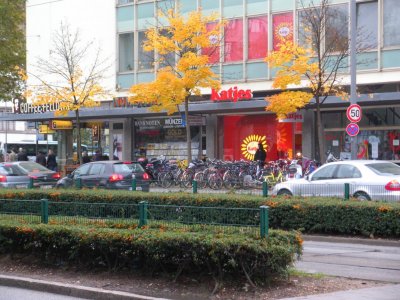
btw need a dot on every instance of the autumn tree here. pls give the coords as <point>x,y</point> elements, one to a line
<point>71,77</point>
<point>12,49</point>
<point>310,69</point>
<point>182,47</point>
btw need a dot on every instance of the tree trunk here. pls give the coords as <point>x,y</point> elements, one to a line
<point>320,133</point>
<point>78,136</point>
<point>188,137</point>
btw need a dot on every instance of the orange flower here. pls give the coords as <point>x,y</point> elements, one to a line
<point>384,208</point>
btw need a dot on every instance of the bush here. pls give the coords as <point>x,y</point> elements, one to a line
<point>194,253</point>
<point>310,215</point>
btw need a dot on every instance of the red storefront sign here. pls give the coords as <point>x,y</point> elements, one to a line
<point>233,94</point>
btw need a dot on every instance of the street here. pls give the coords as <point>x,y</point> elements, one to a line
<point>360,261</point>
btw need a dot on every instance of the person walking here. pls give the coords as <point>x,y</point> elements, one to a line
<point>41,158</point>
<point>51,161</point>
<point>260,154</point>
<point>22,156</point>
<point>12,156</point>
<point>85,157</point>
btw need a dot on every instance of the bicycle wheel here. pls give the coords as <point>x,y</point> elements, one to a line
<point>166,179</point>
<point>215,182</point>
<point>200,178</point>
<point>230,180</point>
<point>187,178</point>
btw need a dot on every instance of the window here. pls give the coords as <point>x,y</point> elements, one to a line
<point>83,170</point>
<point>232,8</point>
<point>324,173</point>
<point>121,168</point>
<point>121,2</point>
<point>167,59</point>
<point>97,169</point>
<point>307,30</point>
<point>337,28</point>
<point>255,7</point>
<point>213,51</point>
<point>258,37</point>
<point>145,15</point>
<point>146,58</point>
<point>234,41</point>
<point>391,23</point>
<point>367,24</point>
<point>282,28</point>
<point>126,61</point>
<point>384,168</point>
<point>347,171</point>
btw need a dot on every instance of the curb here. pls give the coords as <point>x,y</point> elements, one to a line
<point>352,240</point>
<point>70,289</point>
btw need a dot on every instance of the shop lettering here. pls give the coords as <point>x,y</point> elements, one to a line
<point>147,123</point>
<point>233,94</point>
<point>173,122</point>
<point>29,108</point>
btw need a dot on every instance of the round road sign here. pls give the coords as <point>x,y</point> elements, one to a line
<point>354,113</point>
<point>352,129</point>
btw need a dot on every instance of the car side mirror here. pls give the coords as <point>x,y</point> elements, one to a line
<point>308,178</point>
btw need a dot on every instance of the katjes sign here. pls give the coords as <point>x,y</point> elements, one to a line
<point>233,94</point>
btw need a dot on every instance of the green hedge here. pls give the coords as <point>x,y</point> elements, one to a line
<point>310,215</point>
<point>194,253</point>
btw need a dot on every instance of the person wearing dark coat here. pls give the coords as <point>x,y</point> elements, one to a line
<point>260,154</point>
<point>22,156</point>
<point>51,161</point>
<point>85,157</point>
<point>41,159</point>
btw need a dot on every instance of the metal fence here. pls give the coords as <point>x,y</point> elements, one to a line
<point>136,215</point>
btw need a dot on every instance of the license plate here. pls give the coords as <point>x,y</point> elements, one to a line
<point>21,186</point>
<point>46,186</point>
<point>138,188</point>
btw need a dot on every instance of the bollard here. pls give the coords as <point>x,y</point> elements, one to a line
<point>142,213</point>
<point>194,185</point>
<point>78,183</point>
<point>264,223</point>
<point>30,184</point>
<point>265,188</point>
<point>133,184</point>
<point>346,191</point>
<point>44,205</point>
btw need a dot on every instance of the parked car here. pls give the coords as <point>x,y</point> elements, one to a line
<point>110,174</point>
<point>11,176</point>
<point>368,180</point>
<point>42,177</point>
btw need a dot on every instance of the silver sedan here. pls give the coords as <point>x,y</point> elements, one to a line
<point>367,179</point>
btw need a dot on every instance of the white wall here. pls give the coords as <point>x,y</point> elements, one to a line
<point>95,20</point>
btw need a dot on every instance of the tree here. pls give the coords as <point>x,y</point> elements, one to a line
<point>183,68</point>
<point>314,65</point>
<point>64,81</point>
<point>12,49</point>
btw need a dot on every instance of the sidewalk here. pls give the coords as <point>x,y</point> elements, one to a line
<point>387,292</point>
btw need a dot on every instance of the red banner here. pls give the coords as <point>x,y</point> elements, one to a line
<point>282,28</point>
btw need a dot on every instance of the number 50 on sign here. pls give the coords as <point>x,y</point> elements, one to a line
<point>354,113</point>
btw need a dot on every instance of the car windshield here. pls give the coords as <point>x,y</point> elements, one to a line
<point>29,166</point>
<point>384,168</point>
<point>10,170</point>
<point>121,168</point>
<point>135,168</point>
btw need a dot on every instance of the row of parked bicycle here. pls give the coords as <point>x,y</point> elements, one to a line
<point>218,174</point>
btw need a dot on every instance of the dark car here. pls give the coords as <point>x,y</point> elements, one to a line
<point>110,174</point>
<point>42,177</point>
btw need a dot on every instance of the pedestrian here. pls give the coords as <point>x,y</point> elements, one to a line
<point>51,161</point>
<point>97,156</point>
<point>22,156</point>
<point>41,158</point>
<point>13,155</point>
<point>260,154</point>
<point>85,157</point>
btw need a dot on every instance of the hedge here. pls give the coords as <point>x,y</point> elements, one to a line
<point>193,253</point>
<point>310,215</point>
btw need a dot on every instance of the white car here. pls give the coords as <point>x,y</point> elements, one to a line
<point>367,179</point>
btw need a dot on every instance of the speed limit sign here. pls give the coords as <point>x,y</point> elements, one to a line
<point>354,113</point>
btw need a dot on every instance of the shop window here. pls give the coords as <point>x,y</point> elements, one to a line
<point>213,51</point>
<point>118,126</point>
<point>125,17</point>
<point>233,46</point>
<point>282,26</point>
<point>258,37</point>
<point>391,23</point>
<point>145,15</point>
<point>255,7</point>
<point>232,8</point>
<point>126,61</point>
<point>367,24</point>
<point>146,58</point>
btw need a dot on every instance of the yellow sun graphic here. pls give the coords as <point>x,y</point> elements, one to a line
<point>250,145</point>
<point>284,31</point>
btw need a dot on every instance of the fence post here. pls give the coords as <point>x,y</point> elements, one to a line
<point>30,184</point>
<point>44,205</point>
<point>264,224</point>
<point>78,183</point>
<point>134,184</point>
<point>142,213</point>
<point>265,188</point>
<point>194,185</point>
<point>346,191</point>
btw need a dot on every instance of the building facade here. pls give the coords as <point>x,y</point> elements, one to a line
<point>228,123</point>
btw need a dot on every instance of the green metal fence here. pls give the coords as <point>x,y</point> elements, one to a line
<point>136,215</point>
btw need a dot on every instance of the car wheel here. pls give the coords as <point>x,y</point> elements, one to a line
<point>284,193</point>
<point>362,196</point>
